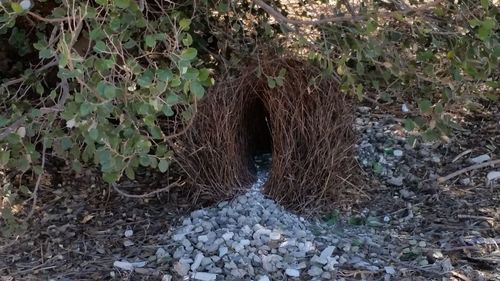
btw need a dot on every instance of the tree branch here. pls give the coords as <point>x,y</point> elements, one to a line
<point>281,18</point>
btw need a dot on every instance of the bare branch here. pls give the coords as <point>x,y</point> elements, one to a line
<point>149,194</point>
<point>467,169</point>
<point>281,18</point>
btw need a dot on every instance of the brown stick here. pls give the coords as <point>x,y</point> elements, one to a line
<point>467,169</point>
<point>281,18</point>
<point>149,194</point>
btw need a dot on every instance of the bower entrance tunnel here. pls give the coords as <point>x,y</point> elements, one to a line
<point>306,124</point>
<point>257,127</point>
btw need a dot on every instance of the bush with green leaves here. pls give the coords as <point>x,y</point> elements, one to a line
<point>108,76</point>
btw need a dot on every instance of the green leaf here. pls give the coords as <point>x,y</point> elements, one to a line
<point>271,83</point>
<point>485,29</point>
<point>129,172</point>
<point>101,2</point>
<point>409,125</point>
<point>106,90</point>
<point>197,89</point>
<point>184,23</point>
<point>16,7</point>
<point>187,40</point>
<point>100,47</point>
<point>123,4</point>
<point>4,157</point>
<point>164,74</point>
<point>150,41</point>
<point>424,105</point>
<point>94,134</point>
<point>146,79</point>
<point>172,99</point>
<point>167,110</point>
<point>163,165</point>
<point>189,54</point>
<point>85,109</point>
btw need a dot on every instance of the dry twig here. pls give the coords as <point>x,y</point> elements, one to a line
<point>468,169</point>
<point>149,194</point>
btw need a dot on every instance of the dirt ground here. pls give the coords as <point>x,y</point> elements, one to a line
<point>78,227</point>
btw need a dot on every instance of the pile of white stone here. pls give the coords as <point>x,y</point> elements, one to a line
<point>253,238</point>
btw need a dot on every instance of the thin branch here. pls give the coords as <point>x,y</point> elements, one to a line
<point>281,18</point>
<point>37,185</point>
<point>21,79</point>
<point>467,169</point>
<point>149,194</point>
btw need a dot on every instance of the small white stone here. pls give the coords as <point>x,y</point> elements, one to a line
<point>227,236</point>
<point>327,252</point>
<point>292,272</point>
<point>397,153</point>
<point>129,265</point>
<point>178,237</point>
<point>405,108</point>
<point>203,238</point>
<point>222,251</point>
<point>263,278</point>
<point>25,4</point>
<point>493,175</point>
<point>390,270</point>
<point>128,233</point>
<point>128,243</point>
<point>123,265</point>
<point>204,276</point>
<point>480,159</point>
<point>274,236</point>
<point>197,261</point>
<point>166,277</point>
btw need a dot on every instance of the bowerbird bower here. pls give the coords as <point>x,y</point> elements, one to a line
<point>306,123</point>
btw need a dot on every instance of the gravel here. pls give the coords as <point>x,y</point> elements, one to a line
<point>253,238</point>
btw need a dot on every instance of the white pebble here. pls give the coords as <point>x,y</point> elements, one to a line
<point>25,4</point>
<point>292,272</point>
<point>128,233</point>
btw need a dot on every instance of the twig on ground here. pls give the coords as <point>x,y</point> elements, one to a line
<point>461,155</point>
<point>475,217</point>
<point>468,169</point>
<point>149,194</point>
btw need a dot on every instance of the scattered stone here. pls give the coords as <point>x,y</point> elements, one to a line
<point>274,236</point>
<point>181,267</point>
<point>128,233</point>
<point>125,265</point>
<point>480,159</point>
<point>397,181</point>
<point>398,153</point>
<point>292,272</point>
<point>263,278</point>
<point>227,236</point>
<point>204,276</point>
<point>166,277</point>
<point>493,175</point>
<point>128,243</point>
<point>390,270</point>
<point>197,261</point>
<point>315,271</point>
